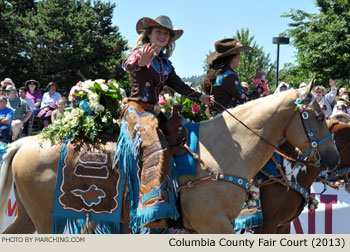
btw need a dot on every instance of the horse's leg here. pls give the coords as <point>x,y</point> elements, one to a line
<point>218,224</point>
<point>22,223</point>
<point>35,172</point>
<point>284,229</point>
<point>210,207</point>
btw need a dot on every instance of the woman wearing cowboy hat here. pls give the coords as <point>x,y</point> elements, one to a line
<point>222,81</point>
<point>152,200</point>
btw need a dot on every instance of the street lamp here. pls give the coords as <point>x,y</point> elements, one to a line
<point>279,41</point>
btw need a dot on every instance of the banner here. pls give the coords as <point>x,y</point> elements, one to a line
<point>331,216</point>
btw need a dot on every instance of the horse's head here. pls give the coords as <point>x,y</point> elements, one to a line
<point>308,130</point>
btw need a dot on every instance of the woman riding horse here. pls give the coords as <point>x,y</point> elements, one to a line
<point>222,81</point>
<point>141,136</point>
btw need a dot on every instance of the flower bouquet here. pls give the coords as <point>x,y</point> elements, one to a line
<point>96,105</point>
<point>190,109</point>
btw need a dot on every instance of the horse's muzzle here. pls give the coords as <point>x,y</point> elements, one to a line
<point>329,161</point>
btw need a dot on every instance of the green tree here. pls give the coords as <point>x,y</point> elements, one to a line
<point>323,40</point>
<point>66,41</point>
<point>253,59</point>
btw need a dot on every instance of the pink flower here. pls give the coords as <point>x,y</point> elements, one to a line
<point>239,43</point>
<point>162,101</point>
<point>148,84</point>
<point>144,99</point>
<point>195,108</point>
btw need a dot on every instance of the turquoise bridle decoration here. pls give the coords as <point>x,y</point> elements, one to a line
<point>305,116</point>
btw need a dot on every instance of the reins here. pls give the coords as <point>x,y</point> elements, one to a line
<point>220,175</point>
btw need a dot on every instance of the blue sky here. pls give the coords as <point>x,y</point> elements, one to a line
<point>207,21</point>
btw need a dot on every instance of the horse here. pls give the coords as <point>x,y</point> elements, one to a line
<point>280,203</point>
<point>207,207</point>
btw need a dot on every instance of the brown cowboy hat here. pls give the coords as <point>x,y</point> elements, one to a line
<point>161,21</point>
<point>226,47</point>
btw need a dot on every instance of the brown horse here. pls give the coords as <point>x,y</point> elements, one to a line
<point>281,204</point>
<point>267,122</point>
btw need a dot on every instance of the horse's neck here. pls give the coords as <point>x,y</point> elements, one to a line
<point>268,117</point>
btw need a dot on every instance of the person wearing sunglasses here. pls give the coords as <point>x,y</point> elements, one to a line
<point>340,116</point>
<point>326,98</point>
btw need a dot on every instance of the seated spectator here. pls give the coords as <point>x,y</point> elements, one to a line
<point>23,95</point>
<point>302,85</point>
<point>245,86</point>
<point>61,104</point>
<point>345,99</point>
<point>34,94</point>
<point>340,116</point>
<point>261,81</point>
<point>51,96</point>
<point>340,106</point>
<point>343,91</point>
<point>7,82</point>
<point>48,104</point>
<point>6,116</point>
<point>281,87</point>
<point>21,110</point>
<point>323,97</point>
<point>324,109</point>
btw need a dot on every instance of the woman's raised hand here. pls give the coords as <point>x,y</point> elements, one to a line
<point>147,55</point>
<point>331,82</point>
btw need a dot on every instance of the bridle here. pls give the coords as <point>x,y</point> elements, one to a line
<point>312,153</point>
<point>217,175</point>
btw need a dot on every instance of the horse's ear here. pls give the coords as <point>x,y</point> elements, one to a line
<point>310,86</point>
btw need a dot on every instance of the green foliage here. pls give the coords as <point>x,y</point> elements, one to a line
<point>60,40</point>
<point>323,40</point>
<point>196,79</point>
<point>253,59</point>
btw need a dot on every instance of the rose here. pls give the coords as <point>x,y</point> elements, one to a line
<point>195,108</point>
<point>162,101</point>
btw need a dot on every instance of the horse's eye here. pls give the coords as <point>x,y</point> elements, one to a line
<point>320,117</point>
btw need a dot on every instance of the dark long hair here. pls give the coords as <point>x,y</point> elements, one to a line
<point>217,67</point>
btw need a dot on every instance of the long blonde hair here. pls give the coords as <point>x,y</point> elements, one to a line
<point>144,39</point>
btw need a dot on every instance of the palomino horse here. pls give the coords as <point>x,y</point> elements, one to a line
<point>280,204</point>
<point>207,207</point>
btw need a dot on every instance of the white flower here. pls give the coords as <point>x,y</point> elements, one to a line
<point>122,92</point>
<point>100,81</point>
<point>116,85</point>
<point>99,108</point>
<point>87,84</point>
<point>104,87</point>
<point>93,105</point>
<point>167,97</point>
<point>114,121</point>
<point>93,97</point>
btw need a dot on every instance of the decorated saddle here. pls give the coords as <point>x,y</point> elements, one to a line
<point>88,192</point>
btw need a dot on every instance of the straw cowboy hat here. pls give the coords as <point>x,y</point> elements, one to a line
<point>339,113</point>
<point>345,99</point>
<point>7,80</point>
<point>226,47</point>
<point>161,21</point>
<point>36,83</point>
